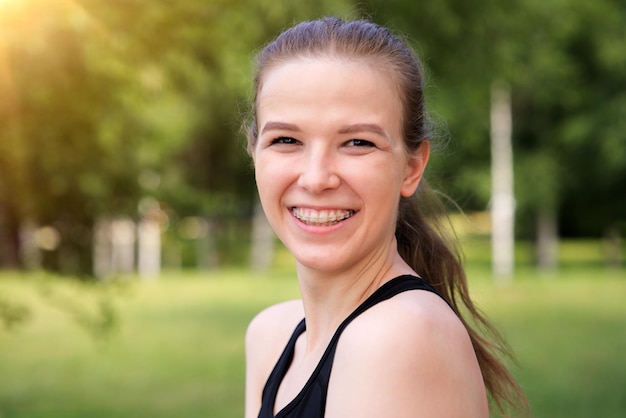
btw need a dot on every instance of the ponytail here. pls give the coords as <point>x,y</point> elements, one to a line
<point>428,247</point>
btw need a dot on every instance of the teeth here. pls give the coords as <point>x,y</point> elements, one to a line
<point>321,217</point>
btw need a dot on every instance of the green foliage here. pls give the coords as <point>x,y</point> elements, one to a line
<point>103,103</point>
<point>107,102</point>
<point>566,64</point>
<point>60,98</point>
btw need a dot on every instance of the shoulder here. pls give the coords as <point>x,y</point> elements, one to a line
<point>411,353</point>
<point>266,337</point>
<point>275,321</point>
<point>410,316</point>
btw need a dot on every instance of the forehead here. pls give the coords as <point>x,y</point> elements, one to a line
<point>319,63</point>
<point>318,83</point>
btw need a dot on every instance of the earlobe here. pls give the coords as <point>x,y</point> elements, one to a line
<point>416,165</point>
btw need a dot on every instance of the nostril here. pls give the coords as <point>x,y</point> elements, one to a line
<point>318,176</point>
<point>318,182</point>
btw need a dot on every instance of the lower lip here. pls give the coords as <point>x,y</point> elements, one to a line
<point>320,229</point>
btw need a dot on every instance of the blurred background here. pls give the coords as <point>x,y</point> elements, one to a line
<point>131,242</point>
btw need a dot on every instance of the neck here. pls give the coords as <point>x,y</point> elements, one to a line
<point>330,296</point>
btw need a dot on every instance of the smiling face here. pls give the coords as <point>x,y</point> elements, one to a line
<point>330,161</point>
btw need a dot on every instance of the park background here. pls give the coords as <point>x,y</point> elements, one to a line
<point>132,249</point>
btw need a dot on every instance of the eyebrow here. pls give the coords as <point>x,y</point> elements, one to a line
<point>363,127</point>
<point>280,126</point>
<point>347,129</point>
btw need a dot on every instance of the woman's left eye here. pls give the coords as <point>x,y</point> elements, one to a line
<point>359,143</point>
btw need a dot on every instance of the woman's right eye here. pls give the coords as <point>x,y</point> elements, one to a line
<point>285,140</point>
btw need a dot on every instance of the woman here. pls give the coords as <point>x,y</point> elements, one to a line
<point>339,138</point>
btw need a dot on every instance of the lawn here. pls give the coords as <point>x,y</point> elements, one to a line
<point>174,348</point>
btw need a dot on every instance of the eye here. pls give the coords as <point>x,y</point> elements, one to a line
<point>359,143</point>
<point>285,140</point>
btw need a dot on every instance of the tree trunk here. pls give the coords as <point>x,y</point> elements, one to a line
<point>262,251</point>
<point>206,251</point>
<point>149,244</point>
<point>122,245</point>
<point>29,251</point>
<point>9,239</point>
<point>102,249</point>
<point>613,246</point>
<point>502,197</point>
<point>547,240</point>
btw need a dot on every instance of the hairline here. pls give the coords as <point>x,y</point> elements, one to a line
<point>380,64</point>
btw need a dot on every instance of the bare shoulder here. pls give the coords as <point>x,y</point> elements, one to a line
<point>412,354</point>
<point>412,322</point>
<point>266,337</point>
<point>276,320</point>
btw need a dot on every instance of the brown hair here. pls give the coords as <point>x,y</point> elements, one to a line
<point>422,243</point>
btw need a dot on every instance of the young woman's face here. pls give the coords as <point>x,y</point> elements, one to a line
<point>330,161</point>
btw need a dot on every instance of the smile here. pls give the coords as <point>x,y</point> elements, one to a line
<point>321,217</point>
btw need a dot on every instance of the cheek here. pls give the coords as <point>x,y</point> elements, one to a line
<point>269,178</point>
<point>385,176</point>
<point>261,175</point>
<point>262,168</point>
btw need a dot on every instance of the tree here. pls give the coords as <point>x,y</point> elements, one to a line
<point>55,142</point>
<point>109,102</point>
<point>565,64</point>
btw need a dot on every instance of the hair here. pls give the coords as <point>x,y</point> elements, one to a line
<point>423,241</point>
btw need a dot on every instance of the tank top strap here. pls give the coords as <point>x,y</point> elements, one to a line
<point>311,401</point>
<point>280,369</point>
<point>386,291</point>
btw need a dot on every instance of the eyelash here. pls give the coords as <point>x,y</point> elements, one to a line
<point>285,140</point>
<point>360,143</point>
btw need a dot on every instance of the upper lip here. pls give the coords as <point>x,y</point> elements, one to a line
<point>320,207</point>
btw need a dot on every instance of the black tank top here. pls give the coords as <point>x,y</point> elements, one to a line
<point>311,401</point>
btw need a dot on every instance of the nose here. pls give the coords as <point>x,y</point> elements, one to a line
<point>318,171</point>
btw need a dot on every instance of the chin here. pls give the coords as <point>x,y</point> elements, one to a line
<point>327,265</point>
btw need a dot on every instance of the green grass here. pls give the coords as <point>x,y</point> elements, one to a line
<point>569,336</point>
<point>174,348</point>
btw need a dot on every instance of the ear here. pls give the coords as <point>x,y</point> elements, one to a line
<point>415,167</point>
